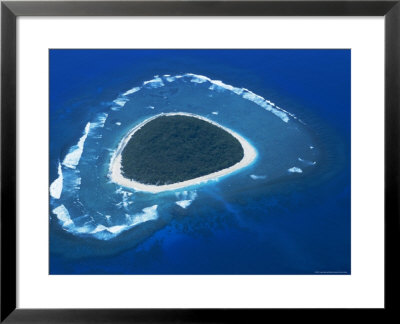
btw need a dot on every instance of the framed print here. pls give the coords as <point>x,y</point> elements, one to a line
<point>166,143</point>
<point>198,161</point>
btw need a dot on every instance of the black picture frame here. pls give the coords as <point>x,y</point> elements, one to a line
<point>10,10</point>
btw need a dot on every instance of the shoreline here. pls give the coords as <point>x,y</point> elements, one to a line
<point>249,155</point>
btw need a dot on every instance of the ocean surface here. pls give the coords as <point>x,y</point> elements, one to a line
<point>288,212</point>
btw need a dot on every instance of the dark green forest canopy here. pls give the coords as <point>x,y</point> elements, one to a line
<point>176,148</point>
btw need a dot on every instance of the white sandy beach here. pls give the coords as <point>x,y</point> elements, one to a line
<point>115,164</point>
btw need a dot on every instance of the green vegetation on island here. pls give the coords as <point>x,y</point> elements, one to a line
<point>176,148</point>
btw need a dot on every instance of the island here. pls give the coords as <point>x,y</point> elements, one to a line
<point>174,150</point>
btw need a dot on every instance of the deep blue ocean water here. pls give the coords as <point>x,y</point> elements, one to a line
<point>263,219</point>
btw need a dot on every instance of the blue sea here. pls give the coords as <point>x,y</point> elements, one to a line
<point>288,212</point>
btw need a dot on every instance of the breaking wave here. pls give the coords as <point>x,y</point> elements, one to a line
<point>71,160</point>
<point>295,170</point>
<point>57,185</point>
<point>101,231</point>
<point>215,85</point>
<point>185,198</point>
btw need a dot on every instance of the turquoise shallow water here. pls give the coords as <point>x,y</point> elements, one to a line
<point>288,212</point>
